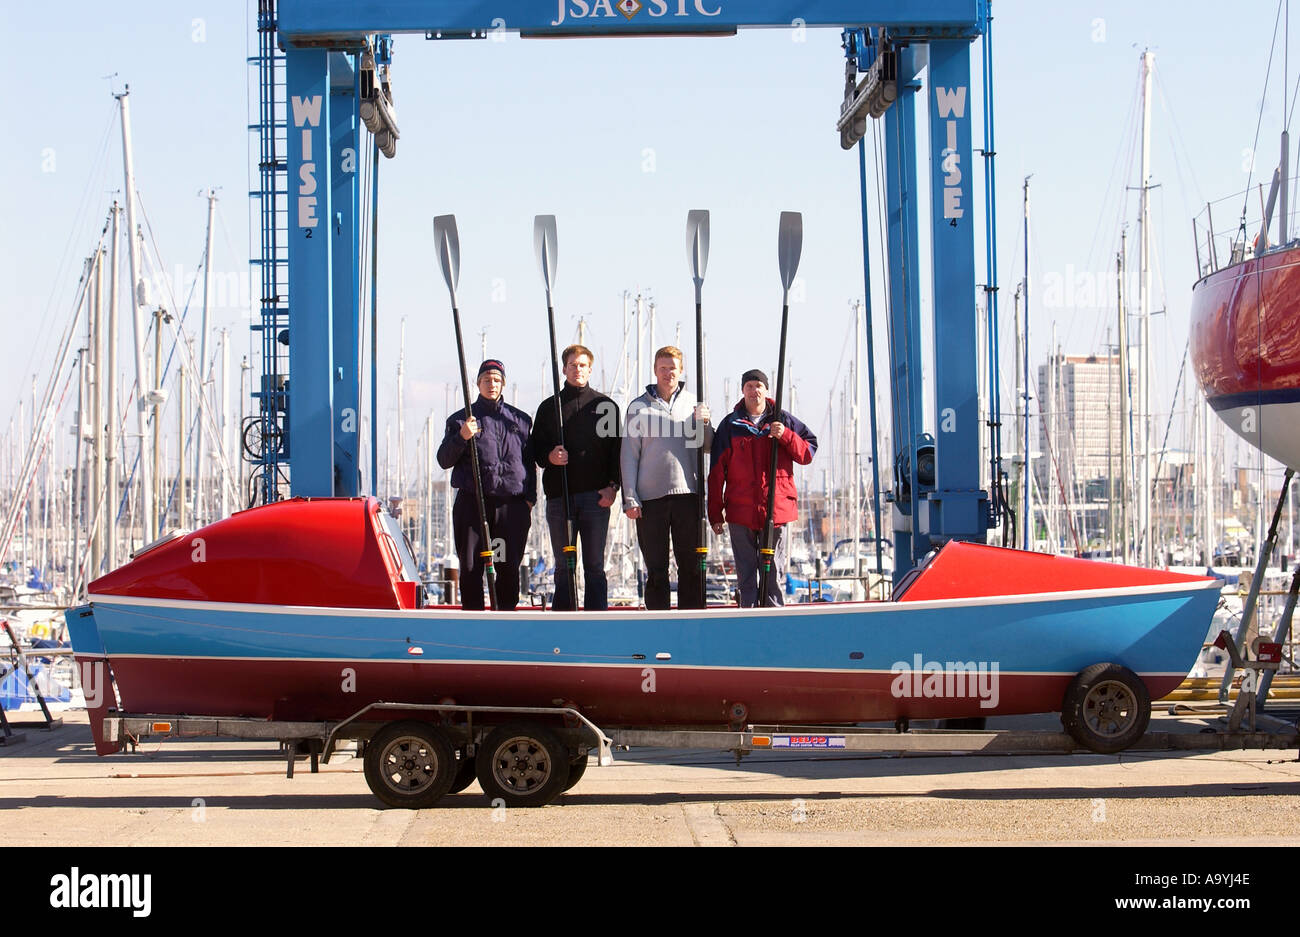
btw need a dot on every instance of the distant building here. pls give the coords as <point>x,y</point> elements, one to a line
<point>1080,423</point>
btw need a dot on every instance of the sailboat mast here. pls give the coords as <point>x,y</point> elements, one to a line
<point>1028,519</point>
<point>1207,487</point>
<point>1053,444</point>
<point>448,537</point>
<point>401,419</point>
<point>200,398</point>
<point>1021,447</point>
<point>85,426</point>
<point>856,456</point>
<point>428,494</point>
<point>224,422</point>
<point>149,522</point>
<point>153,492</point>
<point>110,454</point>
<point>640,323</point>
<point>97,418</point>
<point>1125,402</point>
<point>78,476</point>
<point>1284,169</point>
<point>180,444</point>
<point>1110,445</point>
<point>1144,313</point>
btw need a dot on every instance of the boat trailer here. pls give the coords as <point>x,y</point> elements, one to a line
<point>529,759</point>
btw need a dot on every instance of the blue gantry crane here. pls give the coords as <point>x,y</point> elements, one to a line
<point>321,64</point>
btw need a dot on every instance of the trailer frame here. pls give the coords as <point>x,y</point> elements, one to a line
<point>319,740</point>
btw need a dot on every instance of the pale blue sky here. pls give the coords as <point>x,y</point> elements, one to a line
<point>619,138</point>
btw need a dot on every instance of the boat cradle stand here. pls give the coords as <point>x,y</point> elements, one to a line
<point>48,723</point>
<point>7,735</point>
<point>1255,674</point>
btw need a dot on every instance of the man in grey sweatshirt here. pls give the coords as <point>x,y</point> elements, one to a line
<point>665,428</point>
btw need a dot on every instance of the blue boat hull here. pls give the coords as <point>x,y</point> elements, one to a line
<point>808,664</point>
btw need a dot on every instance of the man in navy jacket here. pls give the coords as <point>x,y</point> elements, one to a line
<point>509,476</point>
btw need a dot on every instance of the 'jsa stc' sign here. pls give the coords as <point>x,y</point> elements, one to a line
<point>628,9</point>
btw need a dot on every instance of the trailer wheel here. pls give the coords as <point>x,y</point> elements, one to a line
<point>409,764</point>
<point>1106,708</point>
<point>464,774</point>
<point>524,765</point>
<point>576,770</point>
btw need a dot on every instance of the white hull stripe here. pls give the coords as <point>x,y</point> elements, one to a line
<point>811,611</point>
<point>636,665</point>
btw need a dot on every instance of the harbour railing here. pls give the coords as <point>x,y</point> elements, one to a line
<point>1232,229</point>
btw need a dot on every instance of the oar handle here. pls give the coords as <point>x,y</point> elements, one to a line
<point>570,550</point>
<point>484,531</point>
<point>702,479</point>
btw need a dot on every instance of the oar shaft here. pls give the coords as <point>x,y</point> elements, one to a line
<point>485,550</point>
<point>768,548</point>
<point>570,548</point>
<point>702,548</point>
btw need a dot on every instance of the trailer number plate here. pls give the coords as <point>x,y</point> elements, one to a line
<point>807,741</point>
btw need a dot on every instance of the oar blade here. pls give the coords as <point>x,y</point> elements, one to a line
<point>789,246</point>
<point>545,244</point>
<point>447,244</point>
<point>697,242</point>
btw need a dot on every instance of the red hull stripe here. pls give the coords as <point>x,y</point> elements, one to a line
<point>610,696</point>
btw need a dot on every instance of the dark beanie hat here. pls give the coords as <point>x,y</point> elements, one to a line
<point>754,374</point>
<point>491,364</point>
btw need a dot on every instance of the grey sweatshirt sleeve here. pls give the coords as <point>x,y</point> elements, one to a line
<point>630,457</point>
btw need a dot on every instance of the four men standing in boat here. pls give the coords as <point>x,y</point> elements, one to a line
<point>653,455</point>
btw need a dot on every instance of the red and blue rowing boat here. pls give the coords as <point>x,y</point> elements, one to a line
<point>312,609</point>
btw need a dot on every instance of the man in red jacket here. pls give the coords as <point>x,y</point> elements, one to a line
<point>738,482</point>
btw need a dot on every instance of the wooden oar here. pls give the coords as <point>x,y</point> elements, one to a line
<point>544,243</point>
<point>447,241</point>
<point>789,246</point>
<point>697,249</point>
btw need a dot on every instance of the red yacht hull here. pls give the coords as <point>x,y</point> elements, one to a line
<point>1245,346</point>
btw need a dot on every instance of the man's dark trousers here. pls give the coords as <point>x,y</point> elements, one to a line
<point>591,524</point>
<point>676,517</point>
<point>508,520</point>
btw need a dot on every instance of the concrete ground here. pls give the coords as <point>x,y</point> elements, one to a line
<point>54,790</point>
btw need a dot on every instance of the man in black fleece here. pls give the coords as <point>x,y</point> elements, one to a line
<point>589,452</point>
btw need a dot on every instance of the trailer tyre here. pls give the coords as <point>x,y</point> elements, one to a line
<point>464,774</point>
<point>524,765</point>
<point>1106,708</point>
<point>409,764</point>
<point>576,770</point>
